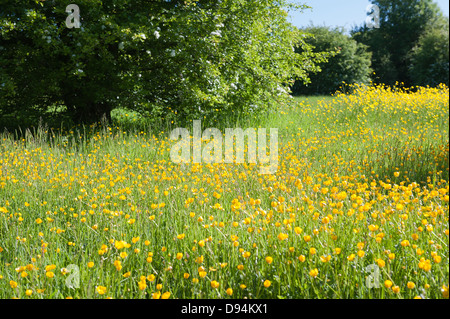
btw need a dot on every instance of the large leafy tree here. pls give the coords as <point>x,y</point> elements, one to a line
<point>401,25</point>
<point>189,57</point>
<point>430,57</point>
<point>350,62</point>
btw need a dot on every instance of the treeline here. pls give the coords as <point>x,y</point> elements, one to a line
<point>185,59</point>
<point>410,48</point>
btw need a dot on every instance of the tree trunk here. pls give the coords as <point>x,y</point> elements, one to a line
<point>91,113</point>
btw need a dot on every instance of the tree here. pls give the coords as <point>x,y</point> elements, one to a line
<point>186,57</point>
<point>401,25</point>
<point>350,62</point>
<point>430,57</point>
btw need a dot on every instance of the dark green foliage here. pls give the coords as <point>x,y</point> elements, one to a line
<point>350,62</point>
<point>401,25</point>
<point>181,59</point>
<point>430,58</point>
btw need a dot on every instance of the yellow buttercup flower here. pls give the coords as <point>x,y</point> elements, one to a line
<point>101,290</point>
<point>165,295</point>
<point>156,295</point>
<point>314,272</point>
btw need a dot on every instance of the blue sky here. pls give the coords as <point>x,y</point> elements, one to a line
<point>341,13</point>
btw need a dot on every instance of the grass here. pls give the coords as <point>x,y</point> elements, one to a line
<point>362,182</point>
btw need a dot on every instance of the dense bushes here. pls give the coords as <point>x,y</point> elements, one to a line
<point>430,58</point>
<point>408,47</point>
<point>350,62</point>
<point>191,58</point>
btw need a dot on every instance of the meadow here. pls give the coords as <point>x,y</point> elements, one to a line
<point>362,185</point>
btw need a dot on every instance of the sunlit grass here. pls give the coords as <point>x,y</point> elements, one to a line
<point>362,180</point>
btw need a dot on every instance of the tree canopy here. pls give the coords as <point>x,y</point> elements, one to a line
<point>190,58</point>
<point>430,57</point>
<point>350,62</point>
<point>401,25</point>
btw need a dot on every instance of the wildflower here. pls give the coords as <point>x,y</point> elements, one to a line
<point>214,284</point>
<point>119,244</point>
<point>269,259</point>
<point>199,260</point>
<point>425,264</point>
<point>118,265</point>
<point>282,236</point>
<point>50,267</point>
<point>156,295</point>
<point>101,290</point>
<point>405,243</point>
<point>267,283</point>
<point>381,263</point>
<point>444,290</point>
<point>142,285</point>
<point>229,291</point>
